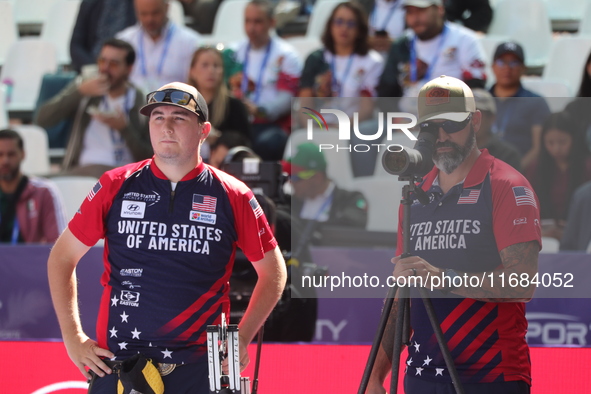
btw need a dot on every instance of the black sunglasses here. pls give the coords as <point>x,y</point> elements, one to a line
<point>174,96</point>
<point>449,126</point>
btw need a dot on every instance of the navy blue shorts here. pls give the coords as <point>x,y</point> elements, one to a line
<point>414,385</point>
<point>185,379</point>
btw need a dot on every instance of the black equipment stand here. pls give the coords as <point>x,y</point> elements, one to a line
<point>403,312</point>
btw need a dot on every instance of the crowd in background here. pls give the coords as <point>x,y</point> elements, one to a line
<point>122,50</point>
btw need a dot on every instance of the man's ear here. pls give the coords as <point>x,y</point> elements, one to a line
<point>205,130</point>
<point>477,120</point>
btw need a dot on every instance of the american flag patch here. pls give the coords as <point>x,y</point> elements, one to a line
<point>469,196</point>
<point>95,189</point>
<point>256,208</point>
<point>524,196</point>
<point>204,203</point>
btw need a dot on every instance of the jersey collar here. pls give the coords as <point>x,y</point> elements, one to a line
<point>475,177</point>
<point>190,175</point>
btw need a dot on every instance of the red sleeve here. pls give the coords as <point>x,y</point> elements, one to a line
<point>255,237</point>
<point>516,213</point>
<point>88,224</point>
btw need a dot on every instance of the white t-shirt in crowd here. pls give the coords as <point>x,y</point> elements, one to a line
<point>356,75</point>
<point>163,61</point>
<point>318,208</point>
<point>103,145</point>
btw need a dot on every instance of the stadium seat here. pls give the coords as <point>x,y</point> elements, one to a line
<point>305,45</point>
<point>567,61</point>
<point>73,190</point>
<point>58,27</point>
<point>571,10</point>
<point>27,61</point>
<point>338,163</point>
<point>8,30</point>
<point>550,245</point>
<point>585,24</point>
<point>383,196</point>
<point>320,14</point>
<point>527,22</point>
<point>228,26</point>
<point>175,12</point>
<point>489,44</point>
<point>36,149</point>
<point>32,11</point>
<point>557,93</point>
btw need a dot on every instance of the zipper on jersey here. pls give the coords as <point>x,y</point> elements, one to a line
<point>171,203</point>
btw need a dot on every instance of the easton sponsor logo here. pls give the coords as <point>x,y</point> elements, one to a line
<point>135,272</point>
<point>130,298</point>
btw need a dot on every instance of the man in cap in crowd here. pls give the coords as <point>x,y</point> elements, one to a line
<point>483,219</point>
<point>171,226</point>
<point>520,112</point>
<point>485,138</point>
<point>431,47</point>
<point>317,198</point>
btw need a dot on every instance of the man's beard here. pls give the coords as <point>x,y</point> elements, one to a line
<point>11,175</point>
<point>449,161</point>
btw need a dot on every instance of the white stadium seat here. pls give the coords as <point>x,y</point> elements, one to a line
<point>527,22</point>
<point>36,149</point>
<point>567,61</point>
<point>550,245</point>
<point>585,24</point>
<point>74,190</point>
<point>338,163</point>
<point>228,26</point>
<point>383,197</point>
<point>3,112</point>
<point>557,93</point>
<point>8,30</point>
<point>58,27</point>
<point>27,61</point>
<point>305,45</point>
<point>176,12</point>
<point>31,11</point>
<point>320,14</point>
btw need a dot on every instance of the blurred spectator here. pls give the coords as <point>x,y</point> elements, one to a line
<point>207,75</point>
<point>164,49</point>
<point>221,146</point>
<point>202,12</point>
<point>345,67</point>
<point>269,74</point>
<point>386,23</point>
<point>31,209</point>
<point>485,138</point>
<point>519,121</point>
<point>97,21</point>
<point>433,47</point>
<point>474,14</point>
<point>579,107</point>
<point>577,232</point>
<point>316,198</point>
<point>106,131</point>
<point>563,165</point>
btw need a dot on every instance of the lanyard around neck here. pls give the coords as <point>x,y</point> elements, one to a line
<point>141,53</point>
<point>258,87</point>
<point>116,137</point>
<point>374,16</point>
<point>336,86</point>
<point>413,56</point>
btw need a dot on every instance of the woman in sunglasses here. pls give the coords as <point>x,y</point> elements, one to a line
<point>227,113</point>
<point>345,66</point>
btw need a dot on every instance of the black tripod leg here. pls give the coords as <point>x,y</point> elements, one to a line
<point>449,362</point>
<point>375,347</point>
<point>403,305</point>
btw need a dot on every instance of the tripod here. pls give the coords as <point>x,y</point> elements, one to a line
<point>403,312</point>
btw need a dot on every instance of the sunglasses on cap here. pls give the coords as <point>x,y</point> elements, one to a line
<point>449,126</point>
<point>174,96</point>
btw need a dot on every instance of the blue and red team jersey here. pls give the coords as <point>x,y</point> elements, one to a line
<point>168,255</point>
<point>465,229</point>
